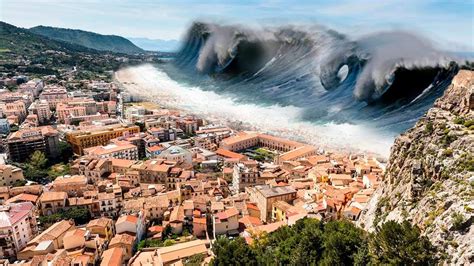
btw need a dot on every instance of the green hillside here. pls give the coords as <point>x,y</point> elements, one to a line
<point>23,51</point>
<point>21,41</point>
<point>87,39</point>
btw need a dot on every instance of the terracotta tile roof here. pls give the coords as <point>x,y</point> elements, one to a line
<point>53,196</point>
<point>182,250</point>
<point>23,197</point>
<point>269,227</point>
<point>16,213</point>
<point>252,206</point>
<point>177,214</point>
<point>76,233</point>
<point>119,239</point>
<point>113,257</point>
<point>54,231</point>
<point>100,222</point>
<point>298,152</point>
<point>128,218</point>
<point>227,213</point>
<point>250,221</point>
<point>200,220</point>
<point>230,154</point>
<point>123,163</point>
<point>156,229</point>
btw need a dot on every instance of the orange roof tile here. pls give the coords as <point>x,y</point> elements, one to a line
<point>53,196</point>
<point>230,154</point>
<point>113,257</point>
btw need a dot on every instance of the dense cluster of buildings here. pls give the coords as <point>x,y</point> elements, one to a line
<point>142,172</point>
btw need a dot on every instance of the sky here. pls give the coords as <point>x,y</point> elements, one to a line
<point>448,23</point>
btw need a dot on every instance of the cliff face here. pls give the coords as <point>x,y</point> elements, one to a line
<point>429,178</point>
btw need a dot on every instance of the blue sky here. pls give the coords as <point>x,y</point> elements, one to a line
<point>448,23</point>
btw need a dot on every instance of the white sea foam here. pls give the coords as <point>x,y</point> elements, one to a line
<point>285,121</point>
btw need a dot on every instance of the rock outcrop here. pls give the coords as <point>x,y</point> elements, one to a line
<point>429,177</point>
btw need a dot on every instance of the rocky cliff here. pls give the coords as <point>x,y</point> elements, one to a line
<point>429,177</point>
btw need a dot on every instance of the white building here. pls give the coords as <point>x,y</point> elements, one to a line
<point>176,154</point>
<point>226,222</point>
<point>134,224</point>
<point>17,227</point>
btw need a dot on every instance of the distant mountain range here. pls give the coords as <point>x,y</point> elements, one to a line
<point>88,39</point>
<point>156,44</point>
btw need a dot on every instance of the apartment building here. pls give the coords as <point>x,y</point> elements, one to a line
<point>54,94</point>
<point>226,222</point>
<point>21,144</point>
<point>265,195</point>
<point>80,140</point>
<point>118,150</point>
<point>16,108</point>
<point>17,227</point>
<point>74,185</point>
<point>9,175</point>
<point>64,110</point>
<point>41,109</point>
<point>52,202</point>
<point>34,86</point>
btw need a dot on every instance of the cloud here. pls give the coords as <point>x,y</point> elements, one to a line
<point>446,22</point>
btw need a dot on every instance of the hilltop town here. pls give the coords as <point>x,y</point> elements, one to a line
<point>92,175</point>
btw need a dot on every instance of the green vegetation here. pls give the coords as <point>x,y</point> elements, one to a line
<point>52,57</point>
<point>148,243</point>
<point>195,260</point>
<point>458,120</point>
<point>448,152</point>
<point>65,152</point>
<point>19,183</point>
<point>79,215</point>
<point>429,127</point>
<point>458,221</point>
<point>87,39</point>
<point>469,123</point>
<point>38,168</point>
<point>58,170</point>
<point>310,242</point>
<point>141,125</point>
<point>263,155</point>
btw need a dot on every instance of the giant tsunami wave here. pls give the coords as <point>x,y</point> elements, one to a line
<point>384,81</point>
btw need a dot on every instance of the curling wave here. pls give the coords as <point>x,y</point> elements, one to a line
<point>385,80</point>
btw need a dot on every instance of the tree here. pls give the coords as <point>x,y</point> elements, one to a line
<point>146,243</point>
<point>341,242</point>
<point>35,168</point>
<point>38,160</point>
<point>167,232</point>
<point>195,260</point>
<point>79,215</point>
<point>232,252</point>
<point>65,151</point>
<point>141,125</point>
<point>401,244</point>
<point>58,170</point>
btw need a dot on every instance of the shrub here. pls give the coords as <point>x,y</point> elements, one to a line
<point>458,220</point>
<point>469,123</point>
<point>448,152</point>
<point>459,120</point>
<point>429,127</point>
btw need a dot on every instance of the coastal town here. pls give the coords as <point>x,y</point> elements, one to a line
<point>93,175</point>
